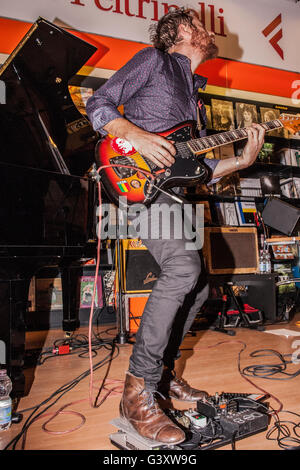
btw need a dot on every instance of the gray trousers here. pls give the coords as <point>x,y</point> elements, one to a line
<point>175,300</point>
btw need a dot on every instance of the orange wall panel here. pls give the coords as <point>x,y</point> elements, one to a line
<point>114,53</point>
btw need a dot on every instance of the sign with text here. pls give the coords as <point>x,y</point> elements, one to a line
<point>261,32</point>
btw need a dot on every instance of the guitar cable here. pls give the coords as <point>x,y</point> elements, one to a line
<point>147,174</point>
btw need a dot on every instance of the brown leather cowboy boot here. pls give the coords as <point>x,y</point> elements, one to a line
<point>139,407</point>
<point>179,389</point>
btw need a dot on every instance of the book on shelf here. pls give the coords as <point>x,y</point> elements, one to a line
<point>86,292</point>
<point>109,279</point>
<point>236,213</point>
<point>289,156</point>
<point>287,187</point>
<point>219,213</point>
<point>246,212</point>
<point>295,157</point>
<point>230,214</point>
<point>270,185</point>
<point>226,213</point>
<point>296,183</point>
<point>290,187</point>
<point>250,187</point>
<point>284,155</point>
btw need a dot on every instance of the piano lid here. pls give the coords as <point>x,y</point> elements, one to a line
<point>40,127</point>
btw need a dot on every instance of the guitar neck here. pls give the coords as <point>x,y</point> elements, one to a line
<point>204,144</point>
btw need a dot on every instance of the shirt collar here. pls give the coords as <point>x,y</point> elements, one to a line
<point>199,80</point>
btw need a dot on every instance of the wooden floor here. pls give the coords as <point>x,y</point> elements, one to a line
<point>209,361</point>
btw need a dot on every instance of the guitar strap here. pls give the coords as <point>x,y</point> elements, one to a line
<point>199,124</point>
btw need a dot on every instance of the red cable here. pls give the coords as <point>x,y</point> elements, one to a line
<point>147,173</point>
<point>93,297</point>
<point>97,270</point>
<point>115,391</point>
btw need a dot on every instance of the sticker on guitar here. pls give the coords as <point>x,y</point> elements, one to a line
<point>122,147</point>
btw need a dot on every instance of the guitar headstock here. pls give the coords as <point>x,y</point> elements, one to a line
<point>290,122</point>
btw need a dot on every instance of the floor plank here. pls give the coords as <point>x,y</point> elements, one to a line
<point>209,361</point>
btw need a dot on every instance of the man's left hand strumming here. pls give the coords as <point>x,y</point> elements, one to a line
<point>256,135</point>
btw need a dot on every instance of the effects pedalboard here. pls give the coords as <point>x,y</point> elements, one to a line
<point>219,420</point>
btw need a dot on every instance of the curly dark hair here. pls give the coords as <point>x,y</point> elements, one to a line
<point>165,33</point>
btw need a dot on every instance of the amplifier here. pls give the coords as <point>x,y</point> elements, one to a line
<point>134,308</point>
<point>139,268</point>
<point>231,250</point>
<point>281,216</point>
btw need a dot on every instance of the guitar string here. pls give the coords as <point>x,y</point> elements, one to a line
<point>242,133</point>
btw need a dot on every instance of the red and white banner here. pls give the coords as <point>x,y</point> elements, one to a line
<point>262,32</point>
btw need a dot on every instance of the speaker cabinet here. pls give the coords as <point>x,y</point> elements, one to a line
<point>281,216</point>
<point>231,250</point>
<point>134,308</point>
<point>139,268</point>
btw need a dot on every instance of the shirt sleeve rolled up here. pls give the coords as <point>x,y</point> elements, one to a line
<point>212,163</point>
<point>102,107</point>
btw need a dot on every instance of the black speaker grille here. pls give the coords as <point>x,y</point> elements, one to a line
<point>141,270</point>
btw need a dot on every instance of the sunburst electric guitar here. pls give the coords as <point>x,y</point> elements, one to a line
<point>125,172</point>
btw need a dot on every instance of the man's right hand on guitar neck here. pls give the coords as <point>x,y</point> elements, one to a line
<point>152,146</point>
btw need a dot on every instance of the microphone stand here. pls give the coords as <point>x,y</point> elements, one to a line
<point>123,335</point>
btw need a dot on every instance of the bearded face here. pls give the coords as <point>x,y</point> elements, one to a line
<point>205,42</point>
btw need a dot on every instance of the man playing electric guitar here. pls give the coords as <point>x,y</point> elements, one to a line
<point>159,89</point>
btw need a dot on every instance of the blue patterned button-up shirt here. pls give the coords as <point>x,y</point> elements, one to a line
<point>158,91</point>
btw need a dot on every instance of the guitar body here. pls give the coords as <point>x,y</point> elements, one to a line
<point>136,186</point>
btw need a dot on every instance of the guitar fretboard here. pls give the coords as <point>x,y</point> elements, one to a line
<point>206,143</point>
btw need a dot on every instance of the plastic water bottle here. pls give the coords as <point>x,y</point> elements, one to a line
<point>5,400</point>
<point>268,262</point>
<point>262,262</point>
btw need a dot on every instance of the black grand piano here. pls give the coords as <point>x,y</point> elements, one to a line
<point>47,196</point>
